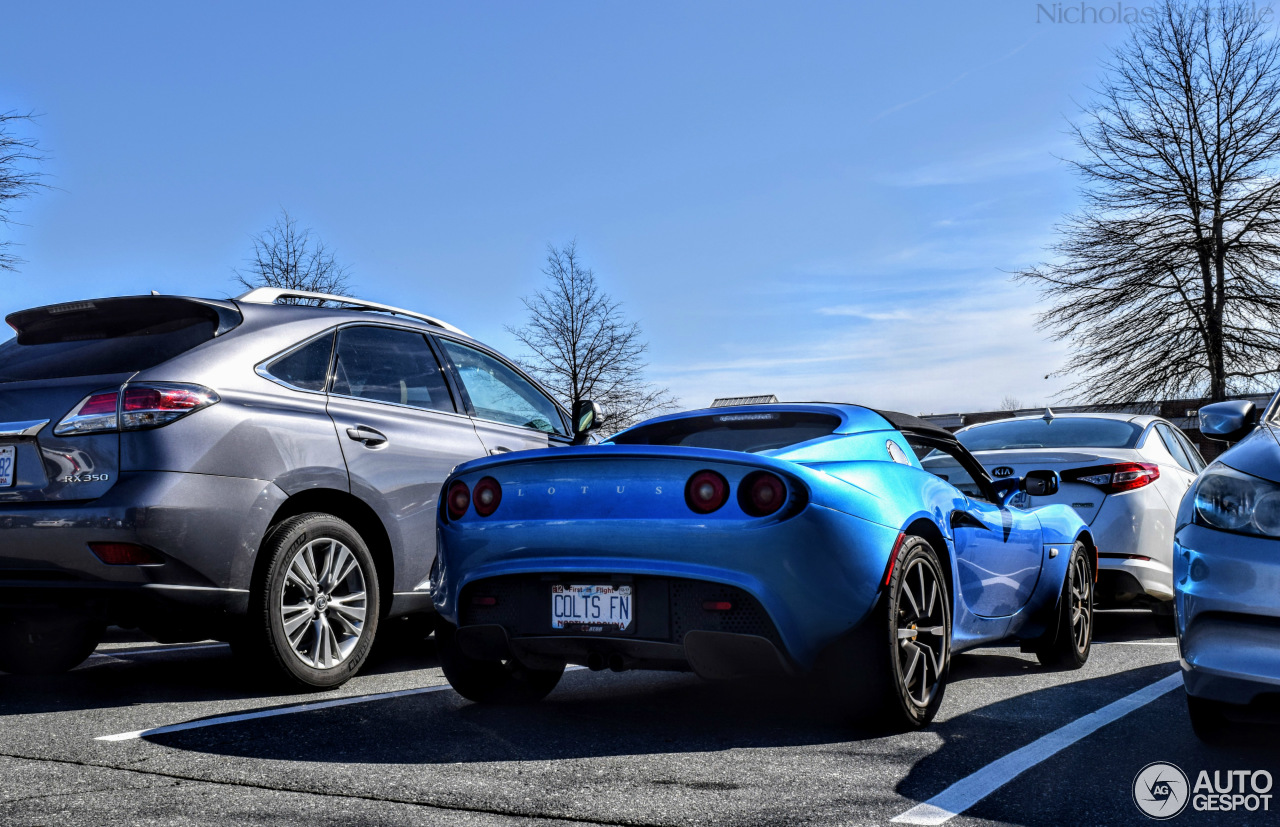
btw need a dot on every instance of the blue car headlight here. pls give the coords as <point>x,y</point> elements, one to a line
<point>1229,500</point>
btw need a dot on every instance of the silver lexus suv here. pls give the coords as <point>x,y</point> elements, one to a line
<point>262,473</point>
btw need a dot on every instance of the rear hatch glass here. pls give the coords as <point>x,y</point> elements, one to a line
<point>107,336</point>
<point>752,432</point>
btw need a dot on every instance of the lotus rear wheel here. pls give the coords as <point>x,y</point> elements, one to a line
<point>891,673</point>
<point>1066,644</point>
<point>491,681</point>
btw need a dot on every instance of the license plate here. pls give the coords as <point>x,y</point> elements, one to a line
<point>7,454</point>
<point>1020,500</point>
<point>591,608</point>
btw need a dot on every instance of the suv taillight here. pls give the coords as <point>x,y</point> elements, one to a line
<point>95,414</point>
<point>134,407</point>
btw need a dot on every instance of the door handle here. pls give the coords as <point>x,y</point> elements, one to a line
<point>370,437</point>
<point>500,449</point>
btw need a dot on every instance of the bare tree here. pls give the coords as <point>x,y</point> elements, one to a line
<point>17,179</point>
<point>287,257</point>
<point>1010,403</point>
<point>1164,282</point>
<point>583,348</point>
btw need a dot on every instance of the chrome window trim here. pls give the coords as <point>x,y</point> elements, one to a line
<point>261,367</point>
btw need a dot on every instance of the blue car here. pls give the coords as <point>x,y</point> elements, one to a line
<point>1226,572</point>
<point>865,546</point>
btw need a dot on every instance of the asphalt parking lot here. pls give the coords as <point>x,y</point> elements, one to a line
<point>138,735</point>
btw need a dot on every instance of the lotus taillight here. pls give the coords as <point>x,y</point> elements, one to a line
<point>458,500</point>
<point>761,493</point>
<point>488,496</point>
<point>706,491</point>
<point>134,408</point>
<point>1113,479</point>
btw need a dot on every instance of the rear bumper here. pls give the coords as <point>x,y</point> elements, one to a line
<point>815,576</point>
<point>711,655</point>
<point>1137,524</point>
<point>1228,614</point>
<point>207,528</point>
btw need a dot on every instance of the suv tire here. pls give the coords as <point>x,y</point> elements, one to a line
<point>314,608</point>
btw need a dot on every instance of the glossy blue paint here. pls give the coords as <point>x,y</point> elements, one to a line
<point>817,566</point>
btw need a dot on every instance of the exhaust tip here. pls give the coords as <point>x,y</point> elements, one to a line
<point>595,662</point>
<point>617,663</point>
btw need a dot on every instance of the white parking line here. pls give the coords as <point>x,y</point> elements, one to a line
<point>971,789</point>
<point>1135,643</point>
<point>282,710</point>
<point>155,650</point>
<point>269,713</point>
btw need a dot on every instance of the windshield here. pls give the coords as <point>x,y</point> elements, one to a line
<point>1057,433</point>
<point>747,432</point>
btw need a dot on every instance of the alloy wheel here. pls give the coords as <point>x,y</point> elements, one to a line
<point>1081,603</point>
<point>921,632</point>
<point>323,603</point>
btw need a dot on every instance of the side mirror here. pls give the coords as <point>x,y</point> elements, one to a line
<point>1041,483</point>
<point>587,416</point>
<point>1035,483</point>
<point>1228,421</point>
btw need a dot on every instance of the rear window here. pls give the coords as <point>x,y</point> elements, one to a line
<point>1056,433</point>
<point>748,432</point>
<point>103,337</point>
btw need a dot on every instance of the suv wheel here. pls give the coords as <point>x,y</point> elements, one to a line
<point>314,612</point>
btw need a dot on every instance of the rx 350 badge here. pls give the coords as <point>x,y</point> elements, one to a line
<point>1161,790</point>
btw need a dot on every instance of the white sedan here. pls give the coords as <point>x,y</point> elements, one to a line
<point>1123,474</point>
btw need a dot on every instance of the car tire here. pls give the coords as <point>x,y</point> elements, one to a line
<point>314,608</point>
<point>491,681</point>
<point>38,645</point>
<point>1208,720</point>
<point>1067,642</point>
<point>885,677</point>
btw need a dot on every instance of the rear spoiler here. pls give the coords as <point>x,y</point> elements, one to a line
<point>121,316</point>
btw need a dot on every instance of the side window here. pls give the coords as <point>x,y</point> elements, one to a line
<point>307,367</point>
<point>1173,446</point>
<point>1192,452</point>
<point>383,364</point>
<point>500,394</point>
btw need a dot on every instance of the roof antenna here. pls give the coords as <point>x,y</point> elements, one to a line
<point>1048,415</point>
<point>155,292</point>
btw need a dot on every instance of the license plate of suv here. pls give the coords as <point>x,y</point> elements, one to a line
<point>7,454</point>
<point>591,608</point>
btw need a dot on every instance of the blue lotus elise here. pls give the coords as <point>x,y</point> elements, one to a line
<point>866,546</point>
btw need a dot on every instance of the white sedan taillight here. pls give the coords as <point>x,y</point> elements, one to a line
<point>134,407</point>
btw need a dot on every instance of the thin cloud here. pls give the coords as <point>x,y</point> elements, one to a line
<point>861,313</point>
<point>899,107</point>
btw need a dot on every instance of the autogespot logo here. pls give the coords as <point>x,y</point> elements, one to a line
<point>1160,790</point>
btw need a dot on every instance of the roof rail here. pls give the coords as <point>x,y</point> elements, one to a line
<point>271,295</point>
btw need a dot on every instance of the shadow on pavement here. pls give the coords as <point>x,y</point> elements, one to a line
<point>187,676</point>
<point>602,715</point>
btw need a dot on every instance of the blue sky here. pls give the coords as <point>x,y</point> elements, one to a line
<point>817,200</point>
